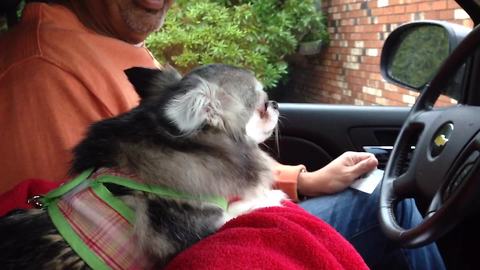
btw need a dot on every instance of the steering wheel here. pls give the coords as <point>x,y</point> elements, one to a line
<point>444,166</point>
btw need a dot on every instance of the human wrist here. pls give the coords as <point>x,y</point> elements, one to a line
<point>304,183</point>
<point>314,183</point>
<point>286,179</point>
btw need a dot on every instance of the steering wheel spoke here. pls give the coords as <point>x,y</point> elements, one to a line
<point>405,185</point>
<point>424,118</point>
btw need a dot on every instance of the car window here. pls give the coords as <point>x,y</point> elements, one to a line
<point>348,70</point>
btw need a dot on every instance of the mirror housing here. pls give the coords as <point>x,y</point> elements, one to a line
<point>414,51</point>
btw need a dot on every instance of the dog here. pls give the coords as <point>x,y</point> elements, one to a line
<point>192,139</point>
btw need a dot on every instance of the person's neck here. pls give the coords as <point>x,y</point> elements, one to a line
<point>91,22</point>
<point>87,19</point>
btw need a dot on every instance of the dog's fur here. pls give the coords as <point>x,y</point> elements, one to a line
<point>188,134</point>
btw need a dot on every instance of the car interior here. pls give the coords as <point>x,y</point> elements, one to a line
<point>429,153</point>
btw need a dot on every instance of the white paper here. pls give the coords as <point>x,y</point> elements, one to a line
<point>369,182</point>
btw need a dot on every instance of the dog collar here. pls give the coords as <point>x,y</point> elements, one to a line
<point>97,225</point>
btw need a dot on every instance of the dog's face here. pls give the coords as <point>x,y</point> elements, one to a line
<point>218,96</point>
<point>263,122</point>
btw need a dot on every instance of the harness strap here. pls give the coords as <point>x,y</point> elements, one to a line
<point>164,192</point>
<point>52,203</point>
<point>61,190</point>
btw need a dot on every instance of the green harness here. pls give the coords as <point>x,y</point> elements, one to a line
<point>66,226</point>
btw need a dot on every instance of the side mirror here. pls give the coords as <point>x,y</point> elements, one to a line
<point>413,52</point>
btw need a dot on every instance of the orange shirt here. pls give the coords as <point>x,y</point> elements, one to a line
<point>56,78</point>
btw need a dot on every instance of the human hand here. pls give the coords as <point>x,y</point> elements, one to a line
<point>336,175</point>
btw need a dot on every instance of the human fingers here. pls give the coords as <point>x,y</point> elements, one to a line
<point>352,158</point>
<point>364,166</point>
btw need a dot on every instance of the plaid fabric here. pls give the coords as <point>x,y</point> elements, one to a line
<point>108,234</point>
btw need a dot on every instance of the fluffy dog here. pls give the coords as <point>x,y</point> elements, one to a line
<point>197,135</point>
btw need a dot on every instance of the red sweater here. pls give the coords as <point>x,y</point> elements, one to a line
<point>268,238</point>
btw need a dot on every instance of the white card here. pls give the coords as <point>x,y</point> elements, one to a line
<point>369,182</point>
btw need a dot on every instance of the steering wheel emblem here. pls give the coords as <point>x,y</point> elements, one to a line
<point>441,138</point>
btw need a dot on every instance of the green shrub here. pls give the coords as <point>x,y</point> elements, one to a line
<point>252,34</point>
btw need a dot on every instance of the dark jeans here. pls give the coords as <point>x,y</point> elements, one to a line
<point>354,214</point>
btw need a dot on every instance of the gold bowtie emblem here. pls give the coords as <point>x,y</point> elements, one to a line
<point>440,140</point>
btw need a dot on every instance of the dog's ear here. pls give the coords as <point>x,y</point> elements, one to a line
<point>150,82</point>
<point>200,105</point>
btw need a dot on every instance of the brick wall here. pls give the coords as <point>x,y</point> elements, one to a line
<point>348,71</point>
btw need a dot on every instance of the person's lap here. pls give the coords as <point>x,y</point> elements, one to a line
<point>354,214</point>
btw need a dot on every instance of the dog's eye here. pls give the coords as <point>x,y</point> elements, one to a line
<point>274,105</point>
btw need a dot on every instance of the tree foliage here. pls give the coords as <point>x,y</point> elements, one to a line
<point>253,34</point>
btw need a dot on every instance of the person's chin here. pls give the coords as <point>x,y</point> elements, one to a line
<point>139,30</point>
<point>135,38</point>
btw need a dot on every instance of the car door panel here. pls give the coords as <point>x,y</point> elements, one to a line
<point>314,134</point>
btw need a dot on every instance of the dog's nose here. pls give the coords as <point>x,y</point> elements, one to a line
<point>274,104</point>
